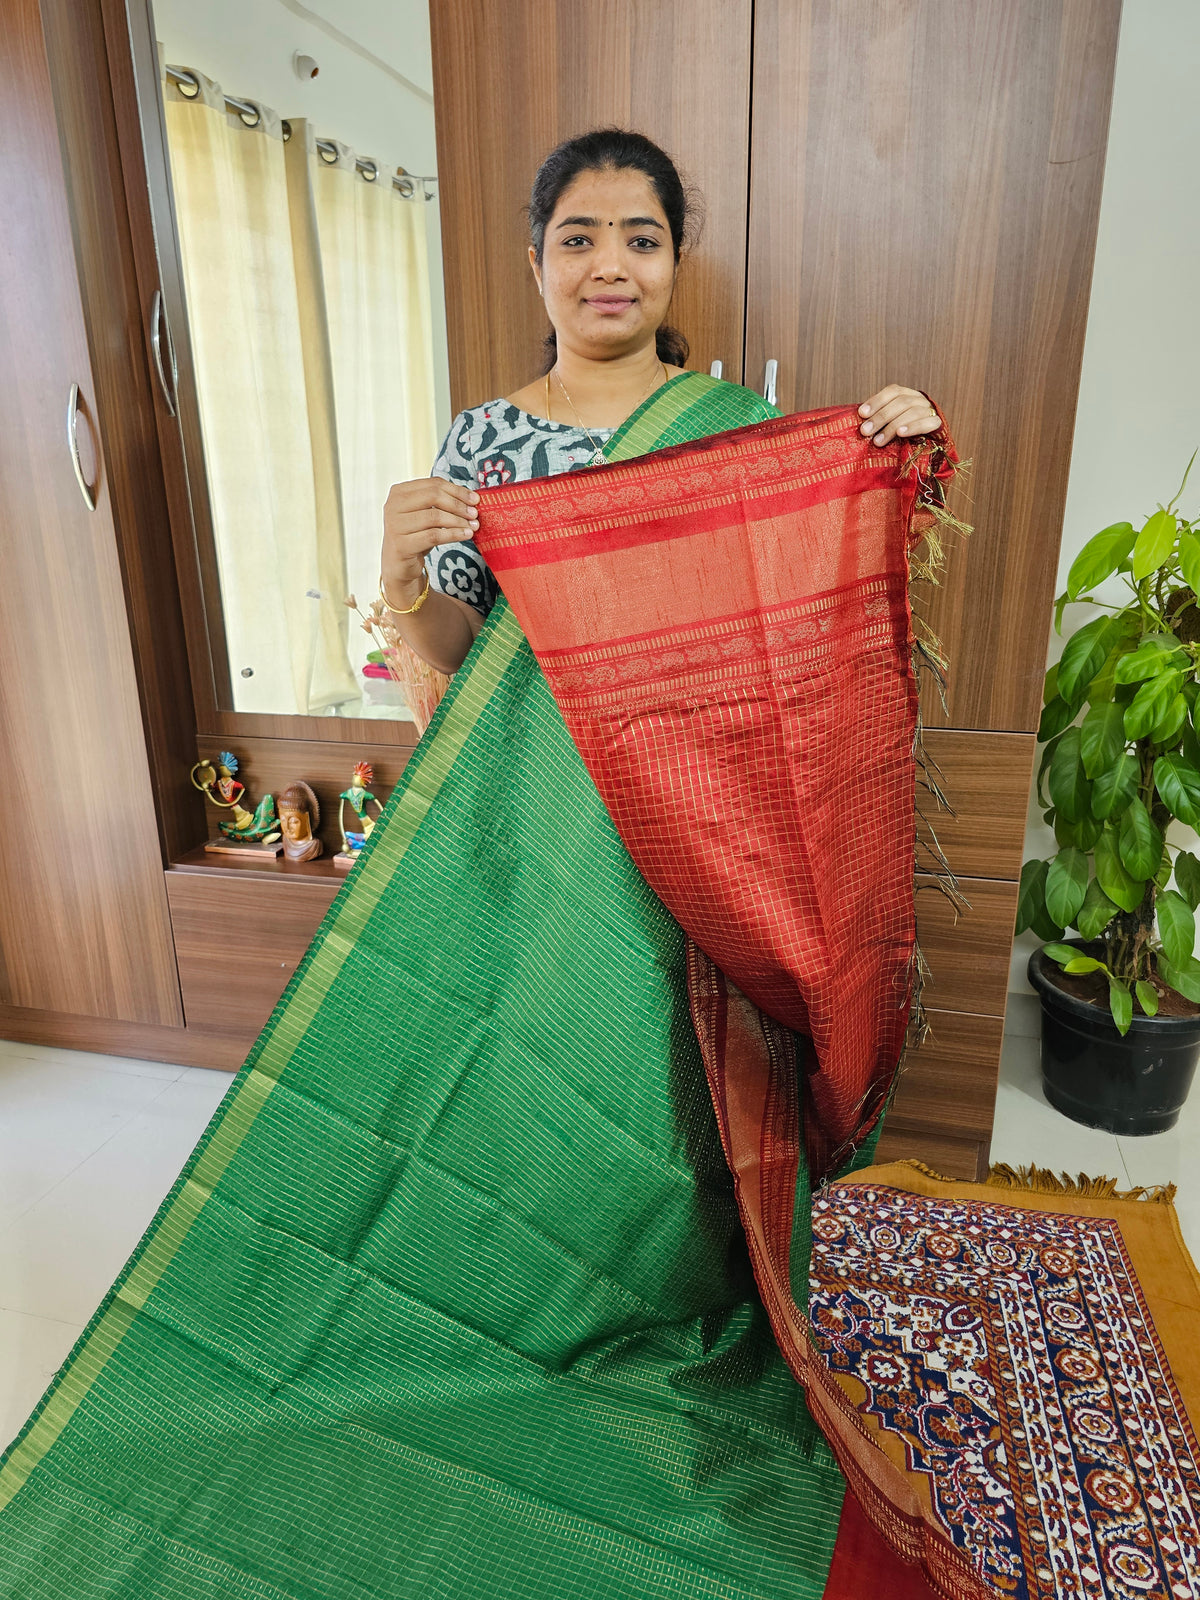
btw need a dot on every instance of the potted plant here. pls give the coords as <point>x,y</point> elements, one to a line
<point>1120,762</point>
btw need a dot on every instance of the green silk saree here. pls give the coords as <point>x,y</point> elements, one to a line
<point>452,1298</point>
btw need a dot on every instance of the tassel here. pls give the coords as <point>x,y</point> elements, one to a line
<point>934,469</point>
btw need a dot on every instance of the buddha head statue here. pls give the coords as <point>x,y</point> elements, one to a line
<point>299,819</point>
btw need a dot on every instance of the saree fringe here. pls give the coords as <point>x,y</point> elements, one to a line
<point>926,562</point>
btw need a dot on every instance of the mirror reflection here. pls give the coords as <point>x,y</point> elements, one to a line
<point>301,141</point>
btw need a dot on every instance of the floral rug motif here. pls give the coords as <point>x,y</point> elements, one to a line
<point>1012,1353</point>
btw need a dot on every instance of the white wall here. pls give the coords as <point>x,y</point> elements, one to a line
<point>247,46</point>
<point>1139,396</point>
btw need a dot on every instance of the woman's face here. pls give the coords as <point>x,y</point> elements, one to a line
<point>608,266</point>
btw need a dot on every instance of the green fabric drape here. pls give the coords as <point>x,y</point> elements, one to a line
<point>452,1298</point>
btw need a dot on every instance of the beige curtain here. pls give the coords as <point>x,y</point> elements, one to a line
<point>308,305</point>
<point>374,264</point>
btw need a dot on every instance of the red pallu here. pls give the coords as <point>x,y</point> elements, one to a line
<point>725,627</point>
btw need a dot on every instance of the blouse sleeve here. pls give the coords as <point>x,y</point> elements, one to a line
<point>458,569</point>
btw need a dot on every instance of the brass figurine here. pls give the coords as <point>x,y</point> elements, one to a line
<point>358,797</point>
<point>256,833</point>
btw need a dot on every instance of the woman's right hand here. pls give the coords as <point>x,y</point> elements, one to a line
<point>417,516</point>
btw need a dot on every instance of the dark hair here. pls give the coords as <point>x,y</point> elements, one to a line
<point>616,150</point>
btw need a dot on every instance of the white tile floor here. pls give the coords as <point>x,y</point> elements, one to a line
<point>90,1144</point>
<point>1028,1132</point>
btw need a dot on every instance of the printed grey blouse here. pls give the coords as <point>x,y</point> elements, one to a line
<point>488,445</point>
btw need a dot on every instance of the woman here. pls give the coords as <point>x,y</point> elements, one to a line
<point>453,1298</point>
<point>609,219</point>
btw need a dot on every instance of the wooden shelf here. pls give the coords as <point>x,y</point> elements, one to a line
<point>262,868</point>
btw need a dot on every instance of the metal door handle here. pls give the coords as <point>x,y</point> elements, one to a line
<point>85,489</point>
<point>770,378</point>
<point>717,369</point>
<point>157,326</point>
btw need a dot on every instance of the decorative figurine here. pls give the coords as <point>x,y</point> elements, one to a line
<point>358,797</point>
<point>300,817</point>
<point>244,833</point>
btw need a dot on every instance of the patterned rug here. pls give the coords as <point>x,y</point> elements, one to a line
<point>1008,1358</point>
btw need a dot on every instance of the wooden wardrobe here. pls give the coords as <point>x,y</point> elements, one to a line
<point>893,192</point>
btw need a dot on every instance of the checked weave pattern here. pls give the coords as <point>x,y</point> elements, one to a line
<point>725,627</point>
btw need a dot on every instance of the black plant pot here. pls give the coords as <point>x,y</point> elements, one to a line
<point>1131,1085</point>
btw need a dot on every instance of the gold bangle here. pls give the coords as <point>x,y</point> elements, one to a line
<point>406,611</point>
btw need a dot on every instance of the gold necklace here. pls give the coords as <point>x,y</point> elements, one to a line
<point>598,456</point>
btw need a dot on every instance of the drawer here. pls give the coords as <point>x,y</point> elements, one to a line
<point>949,1084</point>
<point>968,951</point>
<point>986,778</point>
<point>237,942</point>
<point>948,1157</point>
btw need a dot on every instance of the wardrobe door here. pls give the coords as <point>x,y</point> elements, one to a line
<point>84,925</point>
<point>925,185</point>
<point>509,83</point>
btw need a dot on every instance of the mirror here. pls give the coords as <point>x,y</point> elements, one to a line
<point>302,154</point>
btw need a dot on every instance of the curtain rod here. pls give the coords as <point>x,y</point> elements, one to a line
<point>406,183</point>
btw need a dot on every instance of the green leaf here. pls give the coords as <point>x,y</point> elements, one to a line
<point>1141,841</point>
<point>1031,902</point>
<point>1050,684</point>
<point>1147,997</point>
<point>1044,767</point>
<point>1083,655</point>
<point>1100,557</point>
<point>1061,953</point>
<point>1082,834</point>
<point>1153,545</point>
<point>1079,964</point>
<point>1066,885</point>
<point>1149,704</point>
<point>1163,876</point>
<point>1189,743</point>
<point>1187,877</point>
<point>1185,980</point>
<point>1167,731</point>
<point>1189,560</point>
<point>1101,737</point>
<point>1116,787</point>
<point>1069,787</point>
<point>1056,715</point>
<point>1125,631</point>
<point>1120,1003</point>
<point>1096,912</point>
<point>1031,894</point>
<point>1152,656</point>
<point>1116,882</point>
<point>1178,782</point>
<point>1176,927</point>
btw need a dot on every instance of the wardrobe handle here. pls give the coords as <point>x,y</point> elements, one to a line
<point>157,326</point>
<point>85,489</point>
<point>717,369</point>
<point>770,378</point>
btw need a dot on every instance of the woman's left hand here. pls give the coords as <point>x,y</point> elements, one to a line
<point>896,410</point>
